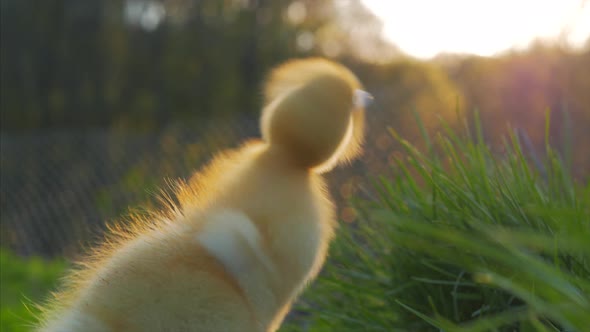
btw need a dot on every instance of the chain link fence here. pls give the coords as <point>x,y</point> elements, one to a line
<point>60,187</point>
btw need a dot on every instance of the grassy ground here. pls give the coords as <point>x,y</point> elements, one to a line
<point>457,239</point>
<point>460,239</point>
<point>24,282</point>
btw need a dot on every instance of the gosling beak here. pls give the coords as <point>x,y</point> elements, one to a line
<point>362,99</point>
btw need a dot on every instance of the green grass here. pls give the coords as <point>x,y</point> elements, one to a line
<point>460,239</point>
<point>24,282</point>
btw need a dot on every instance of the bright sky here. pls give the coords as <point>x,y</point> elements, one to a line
<point>424,28</point>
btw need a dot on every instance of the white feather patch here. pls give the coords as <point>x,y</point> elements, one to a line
<point>232,238</point>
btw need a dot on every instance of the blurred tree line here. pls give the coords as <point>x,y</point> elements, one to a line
<point>140,63</point>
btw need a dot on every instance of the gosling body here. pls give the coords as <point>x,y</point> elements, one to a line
<point>251,229</point>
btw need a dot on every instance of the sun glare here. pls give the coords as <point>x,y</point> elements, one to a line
<point>425,28</point>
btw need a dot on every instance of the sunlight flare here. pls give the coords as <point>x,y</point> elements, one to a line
<point>425,28</point>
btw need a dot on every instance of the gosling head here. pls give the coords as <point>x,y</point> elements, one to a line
<point>315,112</point>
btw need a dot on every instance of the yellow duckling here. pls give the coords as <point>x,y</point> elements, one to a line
<point>250,231</point>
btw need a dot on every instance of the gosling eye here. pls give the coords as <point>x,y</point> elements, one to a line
<point>362,99</point>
